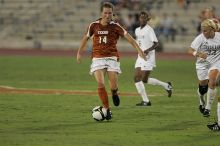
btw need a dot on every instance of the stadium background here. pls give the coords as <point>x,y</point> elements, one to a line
<point>60,24</point>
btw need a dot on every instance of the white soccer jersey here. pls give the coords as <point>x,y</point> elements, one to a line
<point>145,37</point>
<point>209,46</point>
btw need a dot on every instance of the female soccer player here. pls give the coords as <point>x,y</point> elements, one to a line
<point>105,58</point>
<point>148,42</point>
<point>207,13</point>
<point>206,47</point>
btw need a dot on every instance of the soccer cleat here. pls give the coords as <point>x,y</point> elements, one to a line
<point>108,115</point>
<point>116,99</point>
<point>169,91</point>
<point>214,127</point>
<point>201,109</point>
<point>143,103</point>
<point>206,113</point>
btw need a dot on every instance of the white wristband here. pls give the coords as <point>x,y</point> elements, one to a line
<point>194,53</point>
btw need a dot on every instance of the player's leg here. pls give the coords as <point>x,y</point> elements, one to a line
<point>201,91</point>
<point>100,78</point>
<point>167,86</point>
<point>218,113</point>
<point>218,104</point>
<point>211,93</point>
<point>140,86</point>
<point>216,125</point>
<point>202,75</point>
<point>113,80</point>
<point>218,80</point>
<point>98,69</point>
<point>113,69</point>
<point>103,95</point>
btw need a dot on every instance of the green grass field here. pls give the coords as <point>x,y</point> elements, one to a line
<point>65,120</point>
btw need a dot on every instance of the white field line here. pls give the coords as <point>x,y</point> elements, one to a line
<point>14,90</point>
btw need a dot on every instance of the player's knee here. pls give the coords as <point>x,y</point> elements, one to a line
<point>203,89</point>
<point>101,85</point>
<point>212,84</point>
<point>145,80</point>
<point>137,79</point>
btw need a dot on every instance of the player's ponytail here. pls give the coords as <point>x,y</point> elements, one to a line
<point>210,23</point>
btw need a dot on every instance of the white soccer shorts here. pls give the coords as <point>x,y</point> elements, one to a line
<point>144,65</point>
<point>215,66</point>
<point>105,63</point>
<point>202,74</point>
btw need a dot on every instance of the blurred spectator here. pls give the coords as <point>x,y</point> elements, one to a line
<point>129,22</point>
<point>136,4</point>
<point>155,24</point>
<point>159,4</point>
<point>2,1</point>
<point>180,2</point>
<point>207,13</point>
<point>187,4</point>
<point>167,27</point>
<point>178,27</point>
<point>117,18</point>
<point>148,5</point>
<point>1,20</point>
<point>37,44</point>
<point>184,3</point>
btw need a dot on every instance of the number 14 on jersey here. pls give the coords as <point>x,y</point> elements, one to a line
<point>103,39</point>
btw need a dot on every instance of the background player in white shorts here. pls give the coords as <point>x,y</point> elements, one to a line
<point>148,42</point>
<point>206,47</point>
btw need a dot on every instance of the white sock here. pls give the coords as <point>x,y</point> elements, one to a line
<point>218,113</point>
<point>210,97</point>
<point>201,98</point>
<point>153,81</point>
<point>141,90</point>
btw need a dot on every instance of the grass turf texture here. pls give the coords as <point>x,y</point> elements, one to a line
<point>65,120</point>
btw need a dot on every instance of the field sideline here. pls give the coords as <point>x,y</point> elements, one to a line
<point>72,53</point>
<point>12,90</point>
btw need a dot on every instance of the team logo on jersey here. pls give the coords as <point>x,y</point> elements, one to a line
<point>210,49</point>
<point>102,32</point>
<point>203,46</point>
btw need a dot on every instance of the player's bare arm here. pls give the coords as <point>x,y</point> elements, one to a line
<point>154,47</point>
<point>197,53</point>
<point>135,45</point>
<point>81,48</point>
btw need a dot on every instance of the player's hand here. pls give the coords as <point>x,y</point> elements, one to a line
<point>78,58</point>
<point>142,55</point>
<point>201,55</point>
<point>146,52</point>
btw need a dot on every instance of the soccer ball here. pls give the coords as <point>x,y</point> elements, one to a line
<point>99,113</point>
